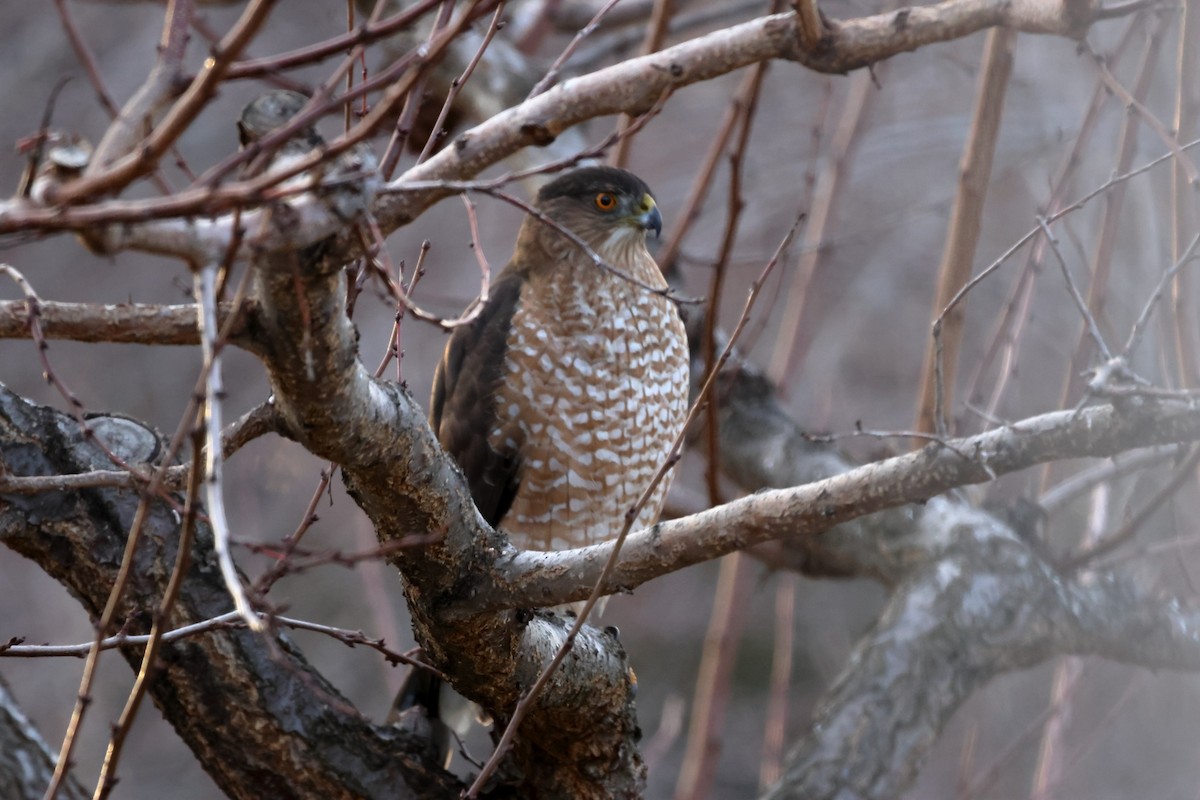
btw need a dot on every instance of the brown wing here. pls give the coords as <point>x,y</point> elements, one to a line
<point>462,409</point>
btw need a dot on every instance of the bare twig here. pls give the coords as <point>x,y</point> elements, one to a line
<point>256,422</point>
<point>1134,101</point>
<point>745,102</point>
<point>145,157</point>
<point>1068,673</point>
<point>826,192</point>
<point>150,666</point>
<point>214,393</point>
<point>669,726</point>
<point>227,621</point>
<point>1057,497</point>
<point>369,32</point>
<point>551,75</point>
<point>622,41</point>
<point>721,641</point>
<point>1168,276</point>
<point>86,57</point>
<point>656,33</point>
<point>1111,541</point>
<point>1037,229</point>
<point>941,355</point>
<point>381,269</point>
<point>775,725</point>
<point>414,100</point>
<point>459,82</point>
<point>1089,321</point>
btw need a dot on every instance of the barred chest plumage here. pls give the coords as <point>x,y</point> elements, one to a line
<point>595,391</point>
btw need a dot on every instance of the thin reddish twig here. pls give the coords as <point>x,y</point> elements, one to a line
<point>551,75</point>
<point>940,362</point>
<point>775,724</point>
<point>413,102</point>
<point>459,82</point>
<point>1111,541</point>
<point>825,191</point>
<point>656,34</point>
<point>363,35</point>
<point>705,731</point>
<point>87,58</point>
<point>145,157</point>
<point>149,666</point>
<point>230,620</point>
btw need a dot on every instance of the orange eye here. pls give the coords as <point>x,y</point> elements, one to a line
<point>606,201</point>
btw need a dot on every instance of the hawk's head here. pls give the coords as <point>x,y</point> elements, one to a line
<point>609,208</point>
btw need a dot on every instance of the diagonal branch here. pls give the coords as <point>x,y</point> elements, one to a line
<point>991,606</point>
<point>630,87</point>
<point>805,516</point>
<point>290,735</point>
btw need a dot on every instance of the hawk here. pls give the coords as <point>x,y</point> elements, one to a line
<point>561,400</point>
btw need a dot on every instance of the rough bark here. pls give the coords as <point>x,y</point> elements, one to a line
<point>257,716</point>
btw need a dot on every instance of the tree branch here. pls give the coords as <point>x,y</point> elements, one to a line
<point>632,87</point>
<point>991,606</point>
<point>805,516</point>
<point>290,734</point>
<point>123,323</point>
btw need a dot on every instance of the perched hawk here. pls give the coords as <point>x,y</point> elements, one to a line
<point>561,400</point>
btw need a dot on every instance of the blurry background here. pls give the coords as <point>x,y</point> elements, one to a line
<point>861,330</point>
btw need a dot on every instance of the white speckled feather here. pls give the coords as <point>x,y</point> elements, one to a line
<point>597,392</point>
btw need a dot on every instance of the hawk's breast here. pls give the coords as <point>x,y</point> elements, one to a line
<point>594,393</point>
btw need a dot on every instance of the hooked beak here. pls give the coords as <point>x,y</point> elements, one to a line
<point>650,219</point>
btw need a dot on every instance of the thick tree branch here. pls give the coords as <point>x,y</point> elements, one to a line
<point>812,510</point>
<point>123,323</point>
<point>630,87</point>
<point>633,86</point>
<point>990,606</point>
<point>290,734</point>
